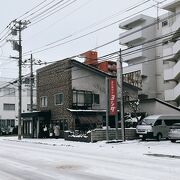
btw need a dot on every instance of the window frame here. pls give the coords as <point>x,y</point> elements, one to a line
<point>9,104</point>
<point>94,102</point>
<point>55,95</point>
<point>46,104</point>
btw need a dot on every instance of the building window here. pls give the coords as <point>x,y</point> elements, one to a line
<point>43,101</point>
<point>80,97</point>
<point>58,99</point>
<point>83,99</point>
<point>96,98</point>
<point>164,23</point>
<point>12,123</point>
<point>88,98</point>
<point>9,107</point>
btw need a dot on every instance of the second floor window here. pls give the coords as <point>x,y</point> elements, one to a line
<point>96,98</point>
<point>9,107</point>
<point>82,98</point>
<point>58,99</point>
<point>43,101</point>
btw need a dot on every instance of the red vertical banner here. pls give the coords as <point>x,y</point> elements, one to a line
<point>112,97</point>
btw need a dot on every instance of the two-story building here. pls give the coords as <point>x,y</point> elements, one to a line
<point>75,94</point>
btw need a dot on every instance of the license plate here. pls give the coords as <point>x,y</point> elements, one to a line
<point>140,136</point>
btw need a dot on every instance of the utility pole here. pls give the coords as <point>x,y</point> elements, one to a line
<point>107,108</point>
<point>20,83</point>
<point>31,84</point>
<point>18,26</point>
<point>121,108</point>
<point>32,62</point>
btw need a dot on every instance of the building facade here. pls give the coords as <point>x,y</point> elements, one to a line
<point>153,51</point>
<point>75,93</point>
<point>9,103</point>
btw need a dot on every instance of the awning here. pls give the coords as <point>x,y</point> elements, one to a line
<point>90,120</point>
<point>36,114</point>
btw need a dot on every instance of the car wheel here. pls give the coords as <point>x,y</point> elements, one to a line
<point>173,140</point>
<point>143,138</point>
<point>159,136</point>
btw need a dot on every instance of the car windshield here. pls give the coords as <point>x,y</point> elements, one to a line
<point>148,121</point>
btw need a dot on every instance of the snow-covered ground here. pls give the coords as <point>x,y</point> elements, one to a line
<point>48,159</point>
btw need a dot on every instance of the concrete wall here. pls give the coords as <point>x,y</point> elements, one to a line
<point>100,134</point>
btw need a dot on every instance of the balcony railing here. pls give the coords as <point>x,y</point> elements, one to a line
<point>172,94</point>
<point>131,35</point>
<point>133,53</point>
<point>173,72</point>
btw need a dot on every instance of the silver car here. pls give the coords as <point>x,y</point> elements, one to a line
<point>174,133</point>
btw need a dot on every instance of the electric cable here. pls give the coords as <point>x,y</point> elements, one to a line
<point>34,51</point>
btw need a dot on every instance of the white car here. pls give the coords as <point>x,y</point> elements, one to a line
<point>174,133</point>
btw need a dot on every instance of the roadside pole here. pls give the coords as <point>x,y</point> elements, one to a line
<point>20,83</point>
<point>107,108</point>
<point>31,84</point>
<point>121,108</point>
<point>18,26</point>
<point>116,116</point>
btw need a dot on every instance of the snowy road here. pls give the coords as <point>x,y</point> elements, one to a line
<point>57,159</point>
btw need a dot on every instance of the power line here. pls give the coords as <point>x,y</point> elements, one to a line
<point>145,48</point>
<point>54,42</point>
<point>46,11</point>
<point>97,23</point>
<point>18,18</point>
<point>53,12</point>
<point>38,9</point>
<point>31,9</point>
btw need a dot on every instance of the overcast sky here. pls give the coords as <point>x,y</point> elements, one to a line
<point>72,21</point>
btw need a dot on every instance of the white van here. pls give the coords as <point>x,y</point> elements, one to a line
<point>156,126</point>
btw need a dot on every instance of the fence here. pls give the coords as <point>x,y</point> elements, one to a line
<point>100,135</point>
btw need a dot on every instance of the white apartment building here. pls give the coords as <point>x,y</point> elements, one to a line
<point>9,102</point>
<point>155,65</point>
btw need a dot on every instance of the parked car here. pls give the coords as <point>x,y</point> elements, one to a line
<point>156,126</point>
<point>174,133</point>
<point>6,130</point>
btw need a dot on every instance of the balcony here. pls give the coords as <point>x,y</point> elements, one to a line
<point>172,73</point>
<point>172,94</point>
<point>133,53</point>
<point>143,68</point>
<point>175,25</point>
<point>172,6</point>
<point>133,22</point>
<point>167,53</point>
<point>176,49</point>
<point>132,35</point>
